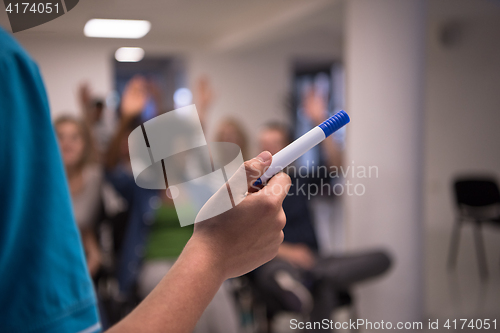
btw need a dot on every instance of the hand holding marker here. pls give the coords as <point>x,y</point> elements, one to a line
<point>300,146</point>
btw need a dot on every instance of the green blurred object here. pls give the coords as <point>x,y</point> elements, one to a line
<point>167,237</point>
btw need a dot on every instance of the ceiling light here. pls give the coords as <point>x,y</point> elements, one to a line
<point>129,54</point>
<point>105,28</point>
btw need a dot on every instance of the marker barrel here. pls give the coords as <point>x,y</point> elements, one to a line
<point>299,147</point>
<point>290,153</point>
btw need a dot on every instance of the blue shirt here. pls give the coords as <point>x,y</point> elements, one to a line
<point>44,283</point>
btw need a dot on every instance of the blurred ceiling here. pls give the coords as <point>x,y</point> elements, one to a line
<point>225,25</point>
<point>215,24</point>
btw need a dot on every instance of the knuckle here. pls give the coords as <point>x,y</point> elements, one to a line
<point>275,189</point>
<point>251,168</point>
<point>281,185</point>
<point>285,179</point>
<point>267,204</point>
<point>281,220</point>
<point>281,237</point>
<point>276,201</point>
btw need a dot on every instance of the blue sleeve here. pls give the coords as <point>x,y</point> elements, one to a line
<point>44,284</point>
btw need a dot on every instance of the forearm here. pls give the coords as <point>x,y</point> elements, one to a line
<point>178,301</point>
<point>227,245</point>
<point>92,251</point>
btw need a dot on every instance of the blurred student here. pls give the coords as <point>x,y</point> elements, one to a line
<point>166,239</point>
<point>100,130</point>
<point>93,111</point>
<point>152,238</point>
<point>130,236</point>
<point>299,279</point>
<point>230,130</point>
<point>203,97</point>
<point>93,199</point>
<point>45,286</point>
<point>85,179</point>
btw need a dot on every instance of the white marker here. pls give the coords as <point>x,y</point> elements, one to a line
<point>300,146</point>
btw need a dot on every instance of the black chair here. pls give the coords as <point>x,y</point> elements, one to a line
<point>477,201</point>
<point>264,307</point>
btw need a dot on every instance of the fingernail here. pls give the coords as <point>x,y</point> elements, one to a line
<point>264,156</point>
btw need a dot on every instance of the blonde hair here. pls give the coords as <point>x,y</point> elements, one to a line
<point>230,122</point>
<point>89,153</point>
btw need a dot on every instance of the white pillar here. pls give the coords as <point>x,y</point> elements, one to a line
<point>385,64</point>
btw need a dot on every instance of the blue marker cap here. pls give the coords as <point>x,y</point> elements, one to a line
<point>335,122</point>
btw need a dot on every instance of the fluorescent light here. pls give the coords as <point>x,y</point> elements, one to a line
<point>105,28</point>
<point>129,54</point>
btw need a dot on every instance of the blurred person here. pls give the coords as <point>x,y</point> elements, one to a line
<point>93,200</point>
<point>93,112</point>
<point>230,130</point>
<point>155,229</point>
<point>315,110</point>
<point>45,286</point>
<point>203,97</point>
<point>130,236</point>
<point>166,239</point>
<point>299,279</point>
<point>302,243</point>
<point>100,130</point>
<point>85,179</point>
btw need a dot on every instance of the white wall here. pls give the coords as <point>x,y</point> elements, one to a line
<point>66,64</point>
<point>462,136</point>
<point>384,100</point>
<point>252,86</point>
<point>249,84</point>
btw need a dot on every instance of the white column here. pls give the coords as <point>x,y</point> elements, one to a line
<point>385,64</point>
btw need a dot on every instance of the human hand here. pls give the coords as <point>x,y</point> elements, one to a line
<point>134,97</point>
<point>315,106</point>
<point>248,235</point>
<point>84,96</point>
<point>204,96</point>
<point>94,264</point>
<point>298,255</point>
<point>224,246</point>
<point>92,251</point>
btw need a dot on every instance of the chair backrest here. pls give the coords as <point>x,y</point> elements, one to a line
<point>476,192</point>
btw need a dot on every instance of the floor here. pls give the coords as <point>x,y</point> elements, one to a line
<point>461,293</point>
<point>457,294</point>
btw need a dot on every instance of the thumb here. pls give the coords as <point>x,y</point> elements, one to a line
<point>256,167</point>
